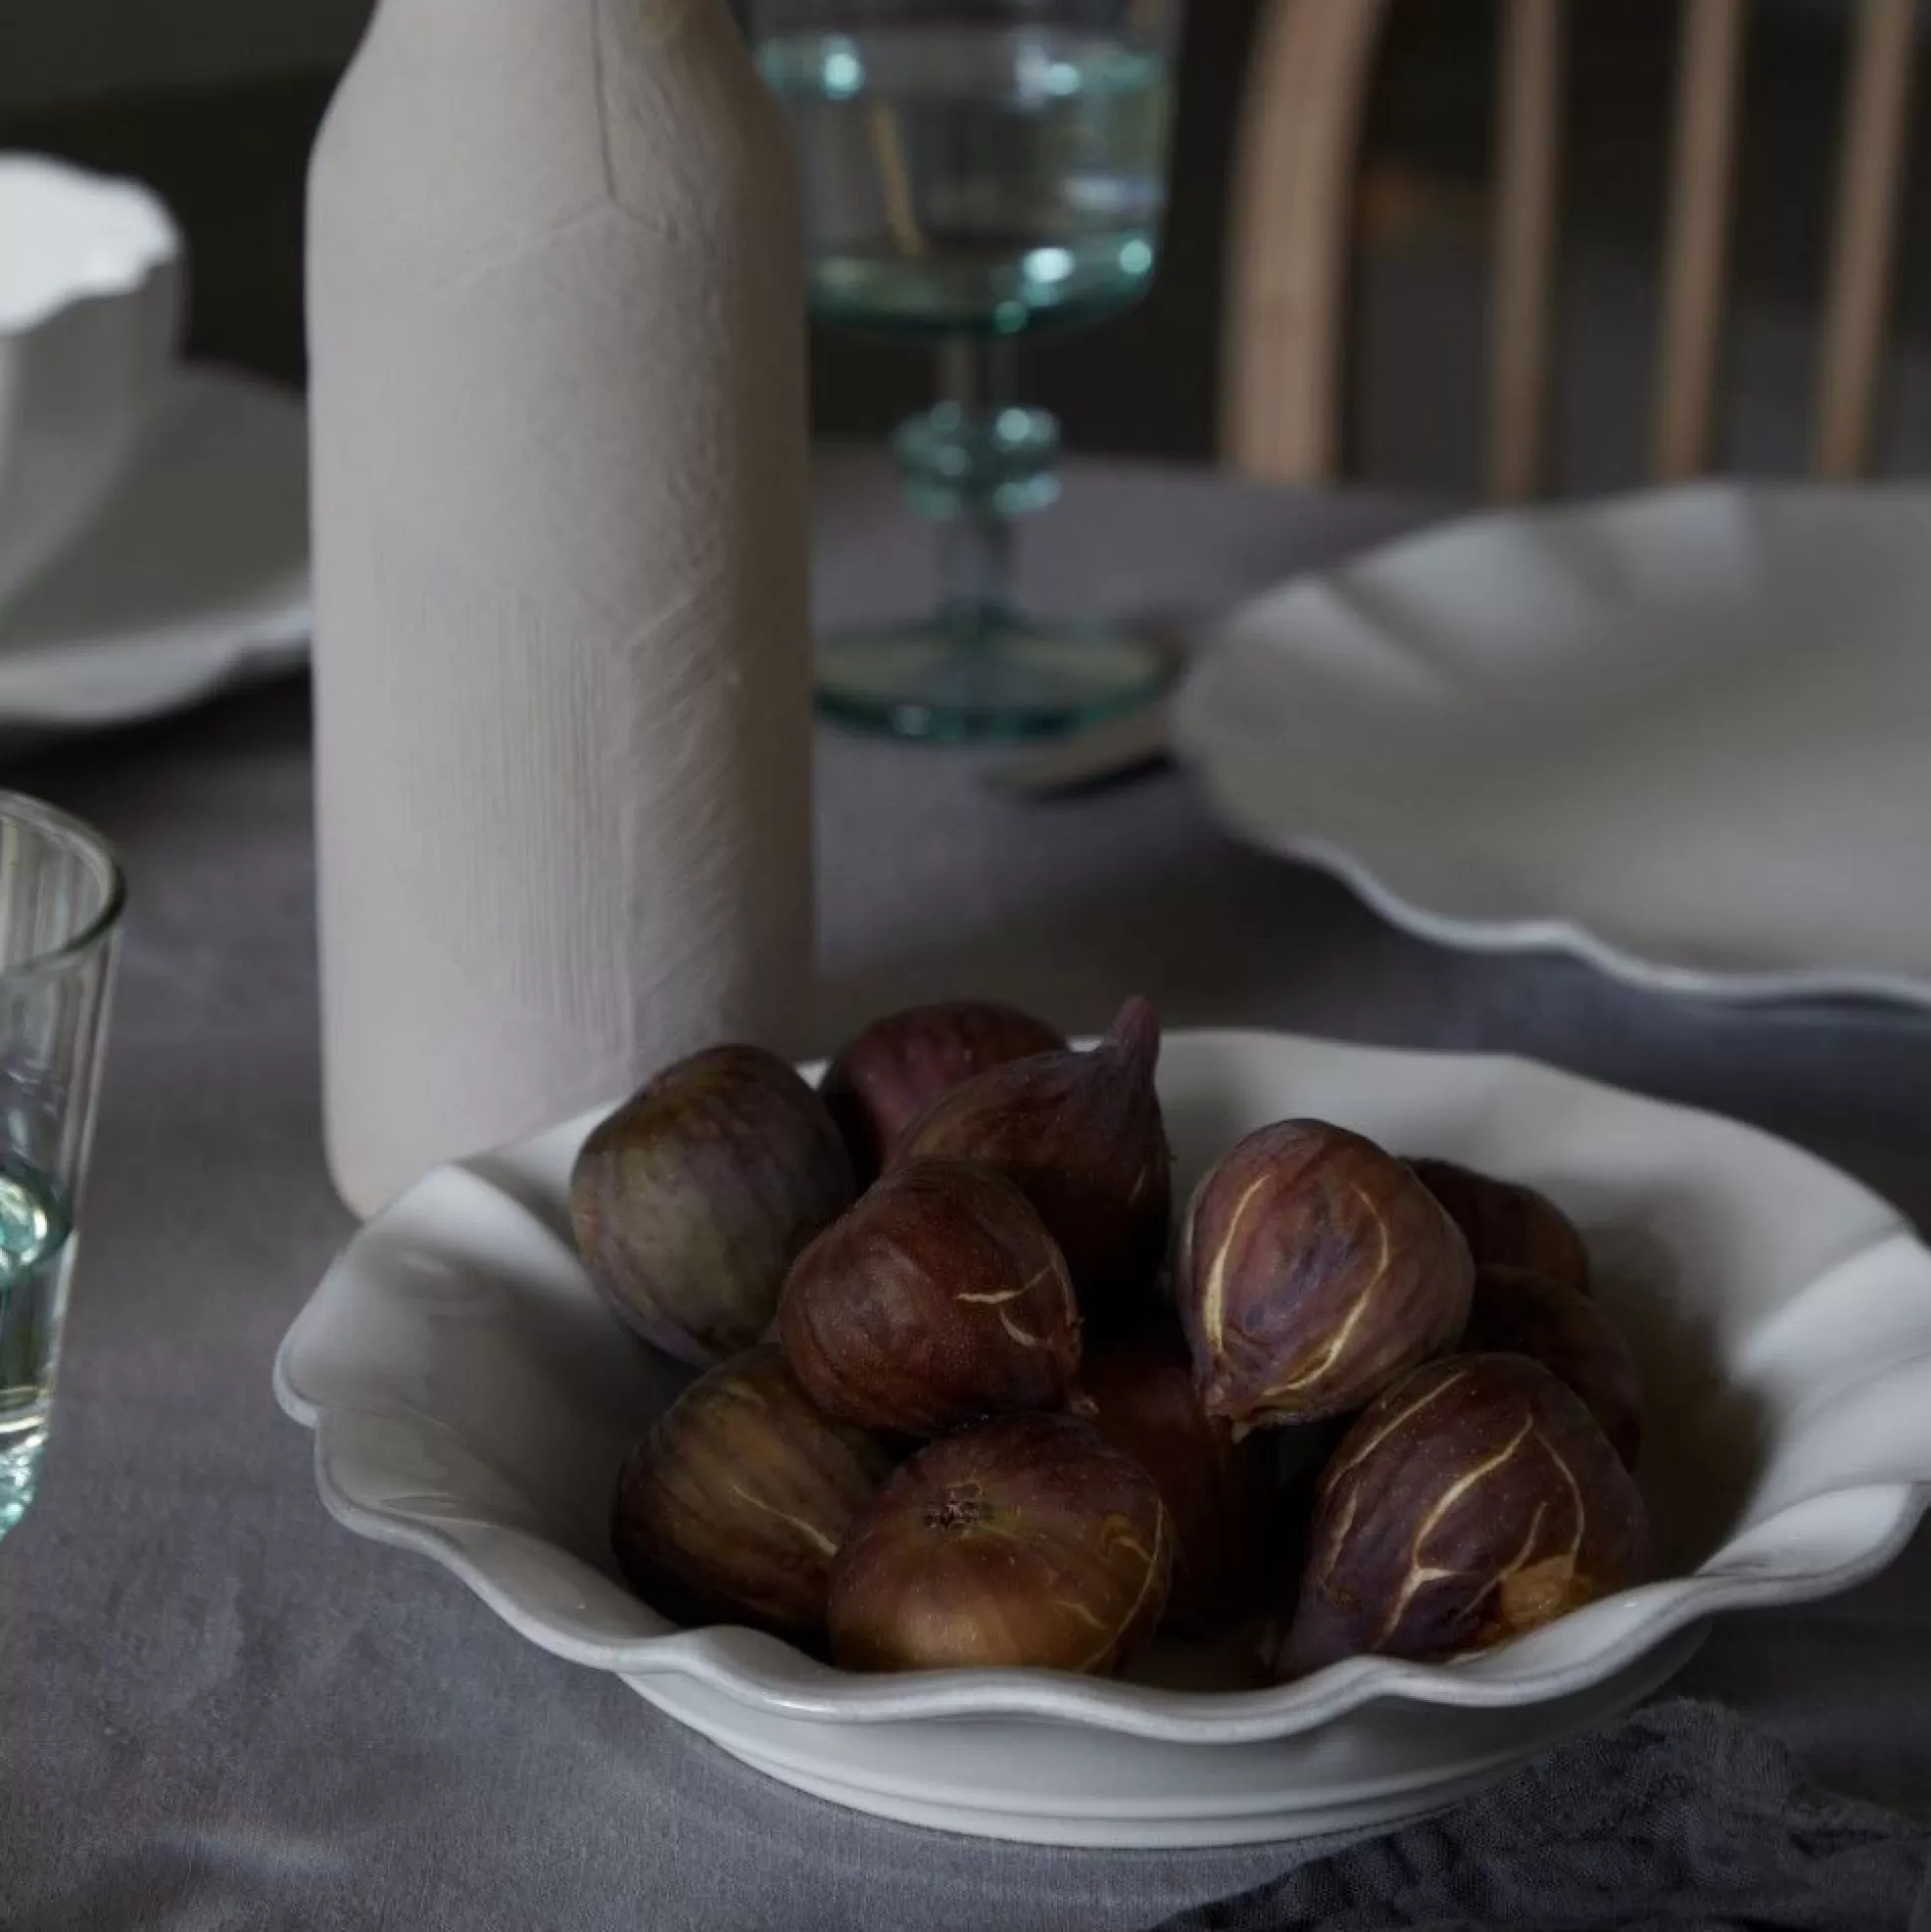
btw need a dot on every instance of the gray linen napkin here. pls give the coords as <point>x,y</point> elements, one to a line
<point>1684,1816</point>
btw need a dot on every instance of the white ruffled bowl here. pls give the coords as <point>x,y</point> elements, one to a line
<point>470,1398</point>
<point>91,301</point>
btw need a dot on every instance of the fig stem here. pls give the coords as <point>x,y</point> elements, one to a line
<point>1134,1031</point>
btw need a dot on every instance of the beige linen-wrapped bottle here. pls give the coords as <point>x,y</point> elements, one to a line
<point>562,672</point>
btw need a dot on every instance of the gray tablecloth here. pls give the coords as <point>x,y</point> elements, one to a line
<point>219,1710</point>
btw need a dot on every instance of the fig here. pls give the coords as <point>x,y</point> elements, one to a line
<point>1079,1134</point>
<point>888,1074</point>
<point>696,1196</point>
<point>734,1504</point>
<point>938,1300</point>
<point>1024,1540</point>
<point>1315,1270</point>
<point>1516,1313</point>
<point>1475,1501</point>
<point>1215,1489</point>
<point>1507,1224</point>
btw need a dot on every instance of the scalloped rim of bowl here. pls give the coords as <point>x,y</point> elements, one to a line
<point>1851,1531</point>
<point>115,258</point>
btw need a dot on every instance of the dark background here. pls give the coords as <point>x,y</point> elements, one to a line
<point>230,159</point>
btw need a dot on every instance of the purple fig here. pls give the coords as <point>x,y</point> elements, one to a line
<point>1475,1501</point>
<point>1507,1224</point>
<point>1024,1540</point>
<point>1079,1134</point>
<point>1516,1313</point>
<point>692,1199</point>
<point>887,1075</point>
<point>734,1504</point>
<point>940,1299</point>
<point>1315,1271</point>
<point>1215,1488</point>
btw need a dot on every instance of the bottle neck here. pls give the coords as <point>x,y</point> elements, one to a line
<point>546,31</point>
<point>642,23</point>
<point>522,112</point>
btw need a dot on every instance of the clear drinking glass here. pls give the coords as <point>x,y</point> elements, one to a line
<point>975,171</point>
<point>60,913</point>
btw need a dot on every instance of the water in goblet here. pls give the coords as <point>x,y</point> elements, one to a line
<point>975,177</point>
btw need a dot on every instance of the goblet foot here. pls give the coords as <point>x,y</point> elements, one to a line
<point>999,680</point>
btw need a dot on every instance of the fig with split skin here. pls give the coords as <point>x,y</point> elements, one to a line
<point>1477,1500</point>
<point>1026,1541</point>
<point>692,1200</point>
<point>890,1072</point>
<point>1315,1270</point>
<point>1081,1136</point>
<point>938,1300</point>
<point>736,1503</point>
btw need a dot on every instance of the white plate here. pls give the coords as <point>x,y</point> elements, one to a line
<point>192,577</point>
<point>1682,735</point>
<point>472,1398</point>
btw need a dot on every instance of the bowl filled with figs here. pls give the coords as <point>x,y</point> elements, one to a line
<point>1135,1440</point>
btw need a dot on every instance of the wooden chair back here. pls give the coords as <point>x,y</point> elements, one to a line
<point>1291,236</point>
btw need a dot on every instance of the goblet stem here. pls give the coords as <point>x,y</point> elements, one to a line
<point>975,541</point>
<point>979,668</point>
<point>971,463</point>
<point>975,569</point>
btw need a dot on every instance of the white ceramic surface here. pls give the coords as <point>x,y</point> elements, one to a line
<point>471,1399</point>
<point>1682,734</point>
<point>192,576</point>
<point>91,299</point>
<point>563,623</point>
